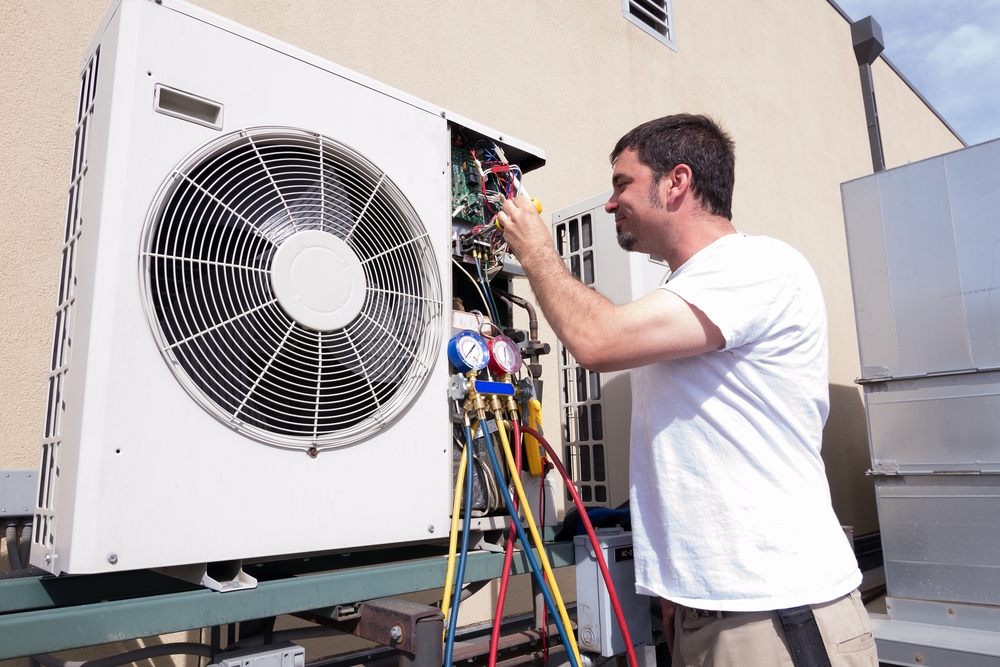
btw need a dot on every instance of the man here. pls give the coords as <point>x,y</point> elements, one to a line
<point>730,504</point>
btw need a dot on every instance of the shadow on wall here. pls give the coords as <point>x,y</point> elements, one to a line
<point>846,456</point>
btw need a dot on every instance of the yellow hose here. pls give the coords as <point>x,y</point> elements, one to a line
<point>453,540</point>
<point>530,520</point>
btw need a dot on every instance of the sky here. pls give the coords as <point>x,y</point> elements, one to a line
<point>950,51</point>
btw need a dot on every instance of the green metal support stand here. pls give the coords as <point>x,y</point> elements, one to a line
<point>45,614</point>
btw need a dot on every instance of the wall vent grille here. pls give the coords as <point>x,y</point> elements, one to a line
<point>582,407</point>
<point>655,17</point>
<point>63,329</point>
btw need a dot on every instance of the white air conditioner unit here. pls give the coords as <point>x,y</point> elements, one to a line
<point>596,408</point>
<point>249,347</point>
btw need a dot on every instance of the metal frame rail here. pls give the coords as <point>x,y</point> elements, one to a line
<point>45,614</point>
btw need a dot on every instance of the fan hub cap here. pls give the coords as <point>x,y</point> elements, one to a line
<point>318,280</point>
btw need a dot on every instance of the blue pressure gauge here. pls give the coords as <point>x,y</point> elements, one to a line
<point>467,351</point>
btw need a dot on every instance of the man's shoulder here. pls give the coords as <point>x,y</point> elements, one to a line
<point>747,243</point>
<point>771,255</point>
<point>740,253</point>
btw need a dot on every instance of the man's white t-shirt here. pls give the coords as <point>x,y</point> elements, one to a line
<point>730,502</point>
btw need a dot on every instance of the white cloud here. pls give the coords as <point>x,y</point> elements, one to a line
<point>967,46</point>
<point>950,50</point>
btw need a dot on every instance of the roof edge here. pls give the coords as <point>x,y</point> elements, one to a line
<point>902,76</point>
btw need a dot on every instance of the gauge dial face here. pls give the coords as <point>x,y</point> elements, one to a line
<point>472,352</point>
<point>468,351</point>
<point>505,358</point>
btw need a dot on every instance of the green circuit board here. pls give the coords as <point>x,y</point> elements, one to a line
<point>466,189</point>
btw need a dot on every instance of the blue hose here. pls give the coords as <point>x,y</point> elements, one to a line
<point>463,554</point>
<point>535,568</point>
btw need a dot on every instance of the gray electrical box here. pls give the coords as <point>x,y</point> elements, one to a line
<point>285,654</point>
<point>17,493</point>
<point>598,625</point>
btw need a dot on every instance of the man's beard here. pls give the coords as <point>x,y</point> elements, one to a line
<point>627,240</point>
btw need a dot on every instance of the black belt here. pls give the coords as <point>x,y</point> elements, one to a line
<point>707,613</point>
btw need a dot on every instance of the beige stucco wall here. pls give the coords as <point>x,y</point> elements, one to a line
<point>570,78</point>
<point>913,130</point>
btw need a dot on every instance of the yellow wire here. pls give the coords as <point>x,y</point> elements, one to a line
<point>530,520</point>
<point>453,541</point>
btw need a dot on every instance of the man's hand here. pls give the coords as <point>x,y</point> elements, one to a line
<point>523,228</point>
<point>601,336</point>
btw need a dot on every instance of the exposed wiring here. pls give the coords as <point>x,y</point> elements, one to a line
<point>473,281</point>
<point>598,553</point>
<point>487,181</point>
<point>486,291</point>
<point>498,179</point>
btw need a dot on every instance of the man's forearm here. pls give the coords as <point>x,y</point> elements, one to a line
<point>580,317</point>
<point>574,311</point>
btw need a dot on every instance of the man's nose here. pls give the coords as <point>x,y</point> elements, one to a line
<point>612,205</point>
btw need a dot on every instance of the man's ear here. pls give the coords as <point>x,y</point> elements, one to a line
<point>676,182</point>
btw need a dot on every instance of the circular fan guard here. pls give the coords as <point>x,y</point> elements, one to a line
<point>205,266</point>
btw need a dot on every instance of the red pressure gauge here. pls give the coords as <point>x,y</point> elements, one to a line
<point>505,358</point>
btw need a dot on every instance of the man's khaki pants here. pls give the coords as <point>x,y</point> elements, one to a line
<point>756,639</point>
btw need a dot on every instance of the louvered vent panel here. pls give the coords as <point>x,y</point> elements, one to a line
<point>63,331</point>
<point>580,401</point>
<point>653,16</point>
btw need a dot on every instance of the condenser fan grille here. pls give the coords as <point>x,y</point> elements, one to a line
<point>291,287</point>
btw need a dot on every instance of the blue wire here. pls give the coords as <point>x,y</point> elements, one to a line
<point>494,313</point>
<point>463,555</point>
<point>535,569</point>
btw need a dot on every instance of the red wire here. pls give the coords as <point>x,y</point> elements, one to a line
<point>593,540</point>
<point>508,555</point>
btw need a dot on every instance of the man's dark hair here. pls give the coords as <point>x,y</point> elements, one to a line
<point>696,141</point>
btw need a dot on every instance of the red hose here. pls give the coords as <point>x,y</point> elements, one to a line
<point>598,553</point>
<point>508,555</point>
